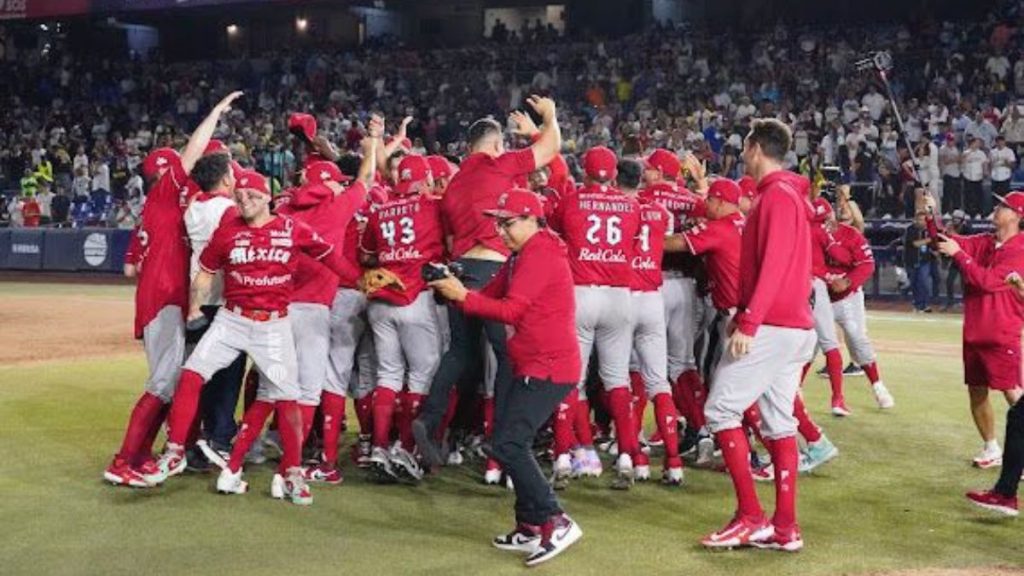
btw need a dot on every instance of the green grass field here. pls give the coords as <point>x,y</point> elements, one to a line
<point>892,500</point>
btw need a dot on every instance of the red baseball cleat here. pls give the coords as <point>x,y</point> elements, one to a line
<point>991,500</point>
<point>119,473</point>
<point>320,473</point>
<point>839,408</point>
<point>788,540</point>
<point>739,532</point>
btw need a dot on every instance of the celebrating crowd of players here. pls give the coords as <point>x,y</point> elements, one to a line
<point>339,289</point>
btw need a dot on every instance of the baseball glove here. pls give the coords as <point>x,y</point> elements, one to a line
<point>378,278</point>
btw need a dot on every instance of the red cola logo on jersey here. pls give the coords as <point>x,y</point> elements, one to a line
<point>644,263</point>
<point>606,255</point>
<point>400,254</point>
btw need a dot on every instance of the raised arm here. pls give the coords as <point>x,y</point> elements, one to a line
<point>549,142</point>
<point>202,134</point>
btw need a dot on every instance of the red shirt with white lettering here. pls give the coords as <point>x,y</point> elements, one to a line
<point>314,283</point>
<point>404,233</point>
<point>259,263</point>
<point>162,250</point>
<point>477,186</point>
<point>860,264</point>
<point>685,207</point>
<point>599,225</point>
<point>719,241</point>
<point>649,246</point>
<point>775,260</point>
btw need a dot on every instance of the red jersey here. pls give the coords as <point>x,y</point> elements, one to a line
<point>993,314</point>
<point>533,293</point>
<point>481,180</point>
<point>259,262</point>
<point>719,241</point>
<point>775,260</point>
<point>404,233</point>
<point>31,213</point>
<point>856,265</point>
<point>685,207</point>
<point>161,249</point>
<point>825,247</point>
<point>649,247</point>
<point>599,225</point>
<point>330,219</point>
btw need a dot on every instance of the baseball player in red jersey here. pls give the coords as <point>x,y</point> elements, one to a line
<point>770,338</point>
<point>662,169</point>
<point>599,225</point>
<point>441,170</point>
<point>161,298</point>
<point>533,293</point>
<point>402,235</point>
<point>993,316</point>
<point>327,208</point>
<point>257,251</point>
<point>845,281</point>
<point>825,246</point>
<point>650,342</point>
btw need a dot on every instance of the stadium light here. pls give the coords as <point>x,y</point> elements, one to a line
<point>301,24</point>
<point>232,29</point>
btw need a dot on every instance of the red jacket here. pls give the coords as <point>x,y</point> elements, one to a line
<point>775,263</point>
<point>534,294</point>
<point>853,260</point>
<point>993,314</point>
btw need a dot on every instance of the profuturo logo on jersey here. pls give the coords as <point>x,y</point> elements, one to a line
<point>95,249</point>
<point>607,255</point>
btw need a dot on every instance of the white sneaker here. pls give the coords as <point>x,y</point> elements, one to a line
<point>172,462</point>
<point>882,396</point>
<point>380,466</point>
<point>215,457</point>
<point>989,459</point>
<point>673,476</point>
<point>296,489</point>
<point>231,482</point>
<point>642,473</point>
<point>455,457</point>
<point>277,487</point>
<point>705,451</point>
<point>592,464</point>
<point>624,473</point>
<point>562,467</point>
<point>565,534</point>
<point>492,477</point>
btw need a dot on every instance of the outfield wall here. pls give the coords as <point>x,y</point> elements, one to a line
<point>63,250</point>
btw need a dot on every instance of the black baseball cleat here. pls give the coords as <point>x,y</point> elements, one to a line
<point>429,450</point>
<point>853,370</point>
<point>381,470</point>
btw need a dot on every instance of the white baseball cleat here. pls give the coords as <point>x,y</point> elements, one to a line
<point>231,482</point>
<point>562,471</point>
<point>642,473</point>
<point>672,476</point>
<point>404,463</point>
<point>172,462</point>
<point>277,487</point>
<point>705,451</point>
<point>296,489</point>
<point>624,473</point>
<point>215,457</point>
<point>492,476</point>
<point>882,396</point>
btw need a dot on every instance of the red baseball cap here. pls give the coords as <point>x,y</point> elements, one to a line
<point>252,180</point>
<point>159,159</point>
<point>1014,201</point>
<point>725,190</point>
<point>216,147</point>
<point>324,171</point>
<point>666,161</point>
<point>304,124</point>
<point>822,209</point>
<point>440,167</point>
<point>517,202</point>
<point>600,162</point>
<point>412,171</point>
<point>748,187</point>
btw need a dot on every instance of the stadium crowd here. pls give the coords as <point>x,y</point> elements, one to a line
<point>77,128</point>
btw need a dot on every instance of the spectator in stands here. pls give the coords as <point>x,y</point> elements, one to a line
<point>14,216</point>
<point>82,184</point>
<point>1001,161</point>
<point>918,259</point>
<point>45,200</point>
<point>949,167</point>
<point>60,209</point>
<point>973,166</point>
<point>30,214</point>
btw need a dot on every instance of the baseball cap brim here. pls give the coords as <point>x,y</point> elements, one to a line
<point>498,213</point>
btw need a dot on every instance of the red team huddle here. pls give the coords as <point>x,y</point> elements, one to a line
<point>698,302</point>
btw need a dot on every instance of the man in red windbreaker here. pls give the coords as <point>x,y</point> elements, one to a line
<point>533,293</point>
<point>770,339</point>
<point>993,316</point>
